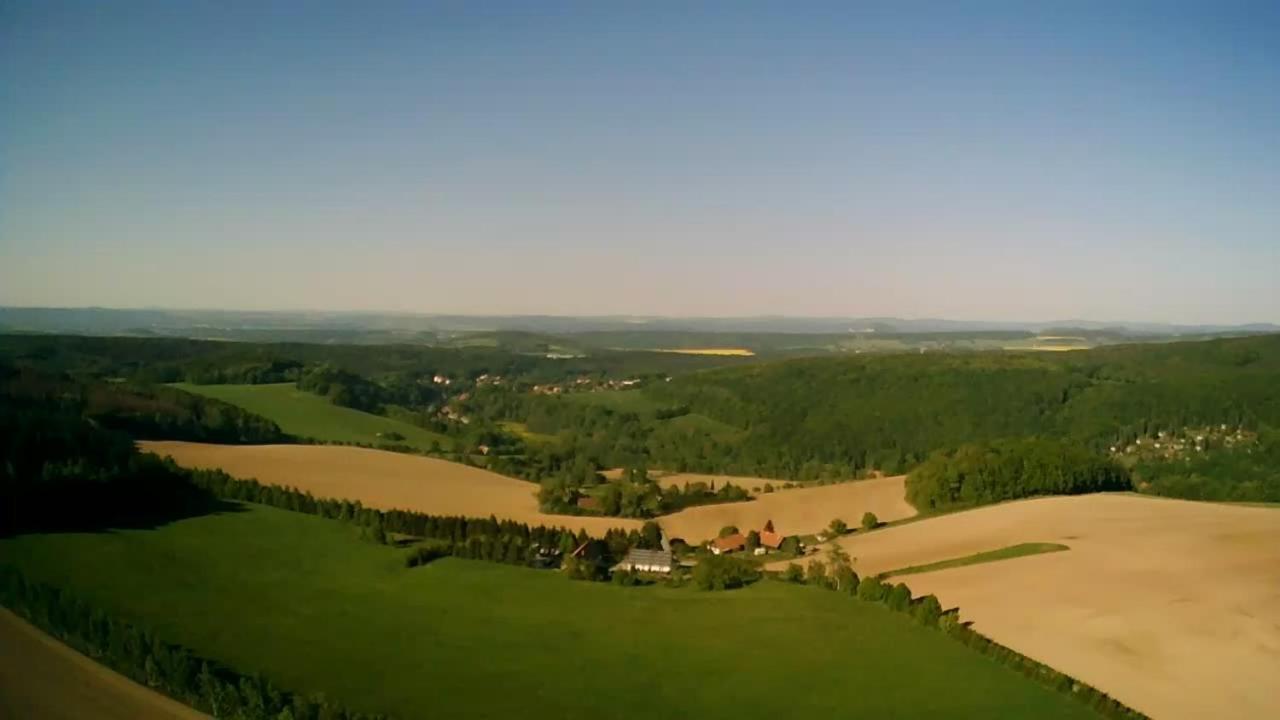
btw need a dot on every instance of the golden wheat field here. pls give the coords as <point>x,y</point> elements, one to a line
<point>727,351</point>
<point>42,678</point>
<point>1171,606</point>
<point>795,512</point>
<point>381,479</point>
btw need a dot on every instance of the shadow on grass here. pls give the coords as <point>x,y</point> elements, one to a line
<point>95,512</point>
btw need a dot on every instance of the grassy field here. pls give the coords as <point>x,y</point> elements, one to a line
<point>300,600</point>
<point>308,415</point>
<point>1005,553</point>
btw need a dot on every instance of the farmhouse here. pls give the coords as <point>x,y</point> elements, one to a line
<point>769,538</point>
<point>653,561</point>
<point>728,544</point>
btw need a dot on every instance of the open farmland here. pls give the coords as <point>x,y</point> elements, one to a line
<point>308,415</point>
<point>1172,607</point>
<point>468,639</point>
<point>795,512</point>
<point>42,678</point>
<point>381,479</point>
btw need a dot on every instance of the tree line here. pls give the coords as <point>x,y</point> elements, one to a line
<point>162,666</point>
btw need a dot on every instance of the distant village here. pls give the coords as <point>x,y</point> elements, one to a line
<point>1186,443</point>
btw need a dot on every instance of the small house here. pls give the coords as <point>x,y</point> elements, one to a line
<point>769,538</point>
<point>728,544</point>
<point>650,561</point>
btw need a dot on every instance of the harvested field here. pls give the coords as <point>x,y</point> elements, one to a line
<point>380,479</point>
<point>42,678</point>
<point>1173,607</point>
<point>726,351</point>
<point>795,512</point>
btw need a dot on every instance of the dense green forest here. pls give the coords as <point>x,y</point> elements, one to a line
<point>989,472</point>
<point>168,360</point>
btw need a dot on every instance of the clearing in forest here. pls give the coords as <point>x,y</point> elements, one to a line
<point>383,480</point>
<point>1172,607</point>
<point>307,415</point>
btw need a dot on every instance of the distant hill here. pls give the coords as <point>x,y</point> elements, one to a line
<point>369,327</point>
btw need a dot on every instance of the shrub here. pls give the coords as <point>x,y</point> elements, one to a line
<point>871,590</point>
<point>899,598</point>
<point>425,553</point>
<point>870,521</point>
<point>724,572</point>
<point>838,527</point>
<point>927,611</point>
<point>794,573</point>
<point>625,578</point>
<point>816,573</point>
<point>728,530</point>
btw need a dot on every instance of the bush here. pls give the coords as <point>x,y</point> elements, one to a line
<point>838,527</point>
<point>728,530</point>
<point>724,572</point>
<point>899,598</point>
<point>794,573</point>
<point>872,590</point>
<point>870,521</point>
<point>625,578</point>
<point>426,553</point>
<point>816,573</point>
<point>928,611</point>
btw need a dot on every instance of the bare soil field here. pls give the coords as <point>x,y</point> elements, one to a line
<point>381,479</point>
<point>795,512</point>
<point>43,678</point>
<point>1173,607</point>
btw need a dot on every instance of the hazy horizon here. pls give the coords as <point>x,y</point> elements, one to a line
<point>986,162</point>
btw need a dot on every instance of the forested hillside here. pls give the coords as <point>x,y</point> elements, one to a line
<point>889,412</point>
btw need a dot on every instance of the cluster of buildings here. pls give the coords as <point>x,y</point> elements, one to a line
<point>1170,445</point>
<point>770,540</point>
<point>585,384</point>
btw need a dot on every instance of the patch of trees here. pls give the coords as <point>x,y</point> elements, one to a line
<point>982,473</point>
<point>343,388</point>
<point>724,572</point>
<point>634,495</point>
<point>142,411</point>
<point>147,659</point>
<point>60,471</point>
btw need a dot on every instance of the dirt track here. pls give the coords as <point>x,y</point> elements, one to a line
<point>42,678</point>
<point>382,480</point>
<point>795,512</point>
<point>1173,607</point>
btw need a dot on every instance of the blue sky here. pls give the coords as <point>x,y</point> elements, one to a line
<point>985,160</point>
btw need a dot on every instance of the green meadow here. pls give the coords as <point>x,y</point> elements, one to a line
<point>1004,553</point>
<point>302,601</point>
<point>308,415</point>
